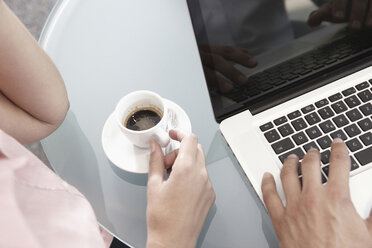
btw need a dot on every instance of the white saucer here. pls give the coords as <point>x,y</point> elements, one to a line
<point>122,153</point>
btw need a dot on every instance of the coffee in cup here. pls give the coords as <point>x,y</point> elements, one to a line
<point>142,116</point>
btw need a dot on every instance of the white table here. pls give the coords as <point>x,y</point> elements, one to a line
<point>106,49</point>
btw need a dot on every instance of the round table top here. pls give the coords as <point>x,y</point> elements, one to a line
<point>106,49</point>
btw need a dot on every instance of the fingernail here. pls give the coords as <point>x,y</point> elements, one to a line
<point>337,140</point>
<point>152,146</point>
<point>355,24</point>
<point>292,156</point>
<point>313,149</point>
<point>266,175</point>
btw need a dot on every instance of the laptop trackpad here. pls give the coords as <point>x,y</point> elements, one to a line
<point>361,192</point>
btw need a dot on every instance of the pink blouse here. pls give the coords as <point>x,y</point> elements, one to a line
<point>38,208</point>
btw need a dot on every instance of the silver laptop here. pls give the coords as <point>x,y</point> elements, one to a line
<point>310,85</point>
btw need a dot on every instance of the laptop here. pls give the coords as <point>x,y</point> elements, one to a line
<point>302,87</point>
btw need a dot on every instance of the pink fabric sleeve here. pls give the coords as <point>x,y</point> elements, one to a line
<point>39,209</point>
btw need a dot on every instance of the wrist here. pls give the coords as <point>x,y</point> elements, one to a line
<point>154,244</point>
<point>162,242</point>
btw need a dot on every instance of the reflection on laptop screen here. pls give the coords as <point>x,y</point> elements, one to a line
<point>256,52</point>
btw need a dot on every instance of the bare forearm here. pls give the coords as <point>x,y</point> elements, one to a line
<point>19,124</point>
<point>29,80</point>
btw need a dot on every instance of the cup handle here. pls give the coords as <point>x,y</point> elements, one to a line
<point>162,138</point>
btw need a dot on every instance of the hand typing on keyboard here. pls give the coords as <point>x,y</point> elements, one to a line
<point>316,215</point>
<point>357,13</point>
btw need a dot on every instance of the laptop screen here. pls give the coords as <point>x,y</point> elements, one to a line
<point>256,53</point>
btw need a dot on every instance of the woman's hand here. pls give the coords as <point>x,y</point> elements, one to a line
<point>177,206</point>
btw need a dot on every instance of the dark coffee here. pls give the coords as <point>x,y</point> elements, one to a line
<point>142,119</point>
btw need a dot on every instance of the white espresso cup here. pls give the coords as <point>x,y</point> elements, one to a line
<point>140,100</point>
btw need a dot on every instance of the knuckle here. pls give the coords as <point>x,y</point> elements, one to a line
<point>213,195</point>
<point>311,199</point>
<point>339,156</point>
<point>267,187</point>
<point>268,195</point>
<point>337,195</point>
<point>185,159</point>
<point>187,168</point>
<point>204,175</point>
<point>193,137</point>
<point>312,156</point>
<point>285,172</point>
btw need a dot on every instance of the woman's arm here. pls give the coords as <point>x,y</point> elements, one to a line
<point>33,98</point>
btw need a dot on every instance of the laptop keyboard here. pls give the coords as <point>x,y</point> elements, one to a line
<point>346,115</point>
<point>303,66</point>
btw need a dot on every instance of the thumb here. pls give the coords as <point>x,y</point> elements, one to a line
<point>156,167</point>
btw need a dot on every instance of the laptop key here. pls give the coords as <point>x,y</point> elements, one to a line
<point>354,145</point>
<point>300,138</point>
<point>365,96</point>
<point>280,120</point>
<point>349,91</point>
<point>321,103</point>
<point>310,145</point>
<point>352,130</point>
<point>326,169</point>
<point>272,135</point>
<point>312,118</point>
<point>324,179</point>
<point>339,134</point>
<point>299,124</point>
<point>294,115</point>
<point>326,112</point>
<point>366,109</point>
<point>364,157</point>
<point>335,97</point>
<point>366,138</point>
<point>325,157</point>
<point>365,124</point>
<point>354,115</point>
<point>308,109</point>
<point>266,126</point>
<point>339,107</point>
<point>354,165</point>
<point>362,86</point>
<point>282,145</point>
<point>324,142</point>
<point>327,126</point>
<point>352,101</point>
<point>313,132</point>
<point>298,151</point>
<point>340,120</point>
<point>285,130</point>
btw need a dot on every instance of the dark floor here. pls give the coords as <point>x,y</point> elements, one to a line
<point>32,13</point>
